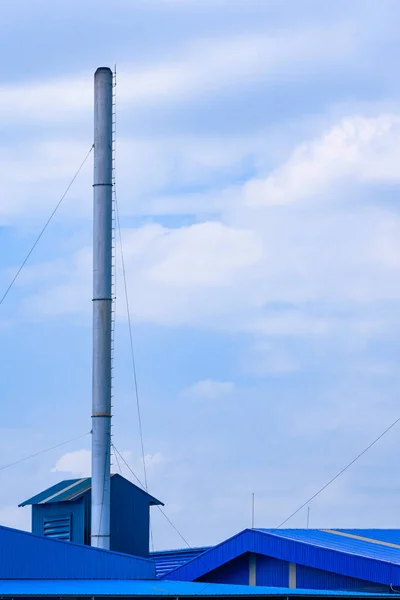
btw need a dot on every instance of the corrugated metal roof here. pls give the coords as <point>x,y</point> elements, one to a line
<point>155,589</point>
<point>325,550</point>
<point>384,535</point>
<point>73,489</point>
<point>167,560</point>
<point>350,541</point>
<point>27,556</point>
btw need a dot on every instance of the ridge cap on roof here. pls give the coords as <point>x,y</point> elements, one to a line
<point>87,481</point>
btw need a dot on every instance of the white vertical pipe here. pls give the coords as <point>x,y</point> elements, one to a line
<point>102,301</point>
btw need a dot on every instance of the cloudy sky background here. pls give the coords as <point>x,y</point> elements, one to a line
<point>258,167</point>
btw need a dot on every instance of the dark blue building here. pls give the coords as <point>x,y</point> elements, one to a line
<point>362,561</point>
<point>32,566</point>
<point>25,556</point>
<point>352,560</point>
<point>63,512</point>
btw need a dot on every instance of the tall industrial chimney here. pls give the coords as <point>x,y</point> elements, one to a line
<point>102,301</point>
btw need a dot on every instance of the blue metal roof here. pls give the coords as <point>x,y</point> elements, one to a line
<point>167,560</point>
<point>352,553</point>
<point>73,489</point>
<point>384,535</point>
<point>366,542</point>
<point>27,556</point>
<point>162,589</point>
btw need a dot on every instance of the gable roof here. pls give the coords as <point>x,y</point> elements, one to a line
<point>167,560</point>
<point>370,555</point>
<point>73,489</point>
<point>24,555</point>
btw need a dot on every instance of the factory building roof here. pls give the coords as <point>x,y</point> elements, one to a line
<point>73,489</point>
<point>167,560</point>
<point>370,555</point>
<point>163,589</point>
<point>27,556</point>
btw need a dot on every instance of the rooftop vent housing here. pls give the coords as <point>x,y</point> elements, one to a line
<point>63,512</point>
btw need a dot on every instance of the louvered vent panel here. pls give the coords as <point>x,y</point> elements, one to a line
<point>58,528</point>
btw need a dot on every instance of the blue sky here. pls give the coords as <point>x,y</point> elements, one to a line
<point>258,179</point>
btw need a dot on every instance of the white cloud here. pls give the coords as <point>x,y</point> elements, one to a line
<point>185,263</point>
<point>312,267</point>
<point>356,150</point>
<point>56,98</point>
<point>36,174</point>
<point>225,274</point>
<point>205,65</point>
<point>222,277</point>
<point>361,149</point>
<point>214,255</point>
<point>78,463</point>
<point>209,389</point>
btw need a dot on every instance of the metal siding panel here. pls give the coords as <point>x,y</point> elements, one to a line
<point>57,510</point>
<point>26,556</point>
<point>157,589</point>
<point>74,493</point>
<point>213,558</point>
<point>234,572</point>
<point>58,528</point>
<point>36,520</point>
<point>168,560</point>
<point>83,488</point>
<point>129,518</point>
<point>49,491</point>
<point>384,535</point>
<point>283,545</point>
<point>308,578</point>
<point>272,572</point>
<point>87,511</point>
<point>324,539</point>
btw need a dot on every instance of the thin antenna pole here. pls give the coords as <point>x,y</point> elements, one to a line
<point>252,510</point>
<point>308,516</point>
<point>102,306</point>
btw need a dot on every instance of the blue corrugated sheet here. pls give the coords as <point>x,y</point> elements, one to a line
<point>308,577</point>
<point>343,540</point>
<point>79,523</point>
<point>271,571</point>
<point>234,572</point>
<point>340,551</point>
<point>27,556</point>
<point>71,499</point>
<point>391,536</point>
<point>167,560</point>
<point>162,589</point>
<point>72,489</point>
<point>129,519</point>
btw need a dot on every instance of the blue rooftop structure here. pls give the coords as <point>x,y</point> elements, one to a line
<point>74,489</point>
<point>168,560</point>
<point>163,589</point>
<point>33,566</point>
<point>363,560</point>
<point>63,512</point>
<point>24,555</point>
